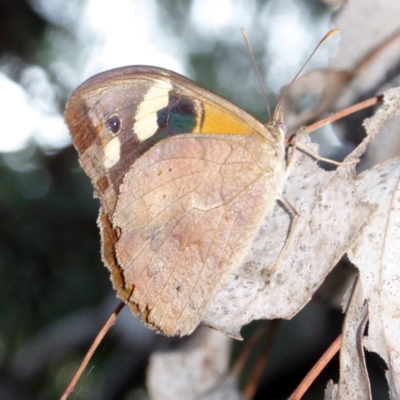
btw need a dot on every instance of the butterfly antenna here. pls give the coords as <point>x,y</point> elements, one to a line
<point>257,72</point>
<point>279,105</point>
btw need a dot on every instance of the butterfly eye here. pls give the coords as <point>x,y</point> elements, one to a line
<point>282,127</point>
<point>114,123</point>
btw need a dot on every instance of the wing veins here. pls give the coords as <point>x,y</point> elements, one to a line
<point>218,269</point>
<point>180,198</point>
<point>177,261</point>
<point>160,186</point>
<point>202,136</point>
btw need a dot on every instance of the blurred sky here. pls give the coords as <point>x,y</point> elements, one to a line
<point>132,32</point>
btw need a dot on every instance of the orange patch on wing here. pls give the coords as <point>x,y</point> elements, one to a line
<point>218,121</point>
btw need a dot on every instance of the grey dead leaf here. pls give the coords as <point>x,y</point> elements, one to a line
<point>359,38</point>
<point>354,382</point>
<point>377,255</point>
<point>331,218</point>
<point>331,391</point>
<point>196,370</point>
<point>386,122</point>
<point>386,112</point>
<point>377,252</point>
<point>227,389</point>
<point>355,69</point>
<point>387,144</point>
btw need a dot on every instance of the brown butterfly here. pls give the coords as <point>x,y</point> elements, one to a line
<point>184,178</point>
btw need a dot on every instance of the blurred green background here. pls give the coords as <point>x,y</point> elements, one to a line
<point>55,292</point>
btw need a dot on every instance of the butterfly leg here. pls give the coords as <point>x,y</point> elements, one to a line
<point>316,156</point>
<point>291,210</point>
<point>295,217</point>
<point>290,159</point>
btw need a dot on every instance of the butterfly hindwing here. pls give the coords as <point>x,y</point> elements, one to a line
<point>187,212</point>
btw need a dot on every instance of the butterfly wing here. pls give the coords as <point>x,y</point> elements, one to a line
<point>187,213</point>
<point>184,178</point>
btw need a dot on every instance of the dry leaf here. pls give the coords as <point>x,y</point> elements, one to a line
<point>387,144</point>
<point>359,38</point>
<point>374,125</point>
<point>196,370</point>
<point>358,41</point>
<point>331,391</point>
<point>363,62</point>
<point>386,123</point>
<point>376,253</point>
<point>354,382</point>
<point>227,389</point>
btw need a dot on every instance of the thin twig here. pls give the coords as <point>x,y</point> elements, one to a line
<point>259,367</point>
<point>345,112</point>
<point>241,361</point>
<point>110,322</point>
<point>316,369</point>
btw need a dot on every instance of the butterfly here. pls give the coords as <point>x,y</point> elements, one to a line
<point>184,178</point>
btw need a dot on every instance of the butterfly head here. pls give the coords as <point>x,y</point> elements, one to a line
<point>275,125</point>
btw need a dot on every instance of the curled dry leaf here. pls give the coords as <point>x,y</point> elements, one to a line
<point>386,145</point>
<point>331,218</point>
<point>374,125</point>
<point>386,122</point>
<point>376,253</point>
<point>331,391</point>
<point>354,382</point>
<point>360,38</point>
<point>196,370</point>
<point>366,54</point>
